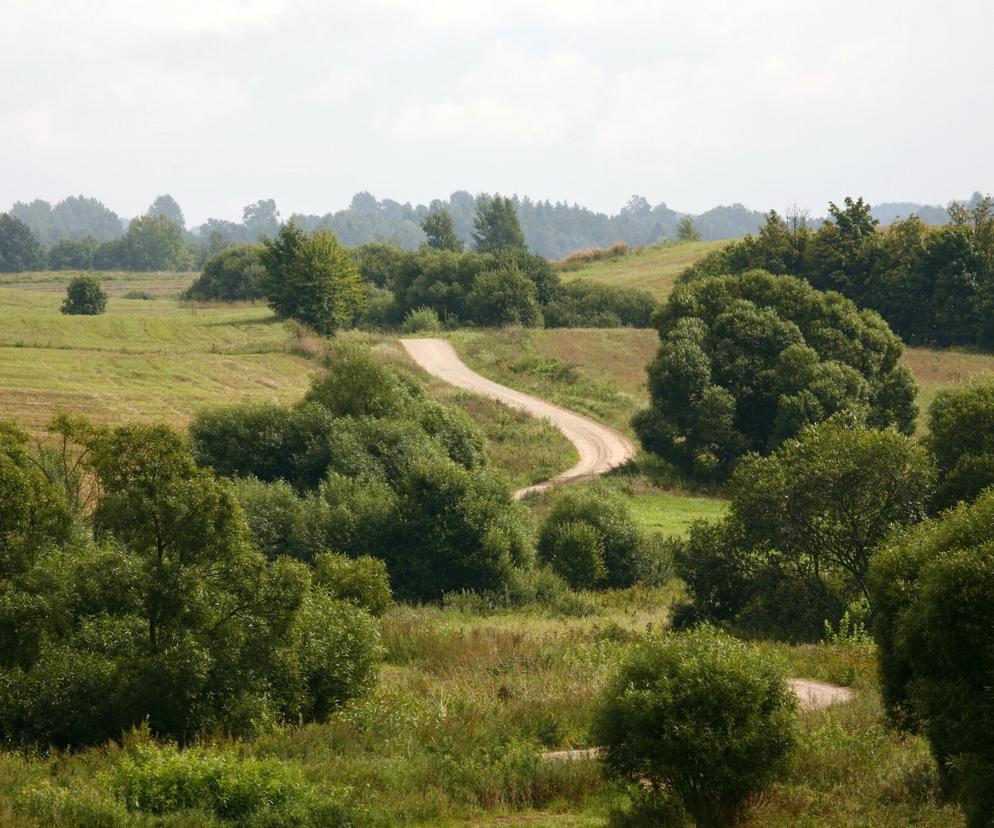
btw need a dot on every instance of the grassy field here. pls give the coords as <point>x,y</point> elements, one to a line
<point>650,268</point>
<point>452,734</point>
<point>160,360</point>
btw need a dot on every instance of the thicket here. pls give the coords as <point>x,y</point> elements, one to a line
<point>591,539</point>
<point>232,275</point>
<point>803,524</point>
<point>933,591</point>
<point>701,720</point>
<point>748,361</point>
<point>933,285</point>
<point>157,607</point>
<point>376,469</point>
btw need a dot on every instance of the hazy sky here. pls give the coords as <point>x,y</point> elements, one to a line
<point>694,103</point>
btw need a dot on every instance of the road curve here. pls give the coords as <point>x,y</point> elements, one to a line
<point>601,448</point>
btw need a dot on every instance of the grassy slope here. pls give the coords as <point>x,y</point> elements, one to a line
<point>650,268</point>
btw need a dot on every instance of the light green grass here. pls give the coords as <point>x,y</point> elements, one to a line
<point>113,282</point>
<point>654,268</point>
<point>672,514</point>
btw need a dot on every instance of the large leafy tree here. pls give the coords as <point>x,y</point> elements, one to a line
<point>172,617</point>
<point>796,545</point>
<point>19,249</point>
<point>932,588</point>
<point>496,226</point>
<point>166,205</point>
<point>311,278</point>
<point>748,361</point>
<point>155,242</point>
<point>441,232</point>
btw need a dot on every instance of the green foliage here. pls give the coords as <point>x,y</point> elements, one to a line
<point>232,275</point>
<point>932,285</point>
<point>796,545</point>
<point>701,718</point>
<point>496,226</point>
<point>933,591</point>
<point>84,297</point>
<point>364,581</point>
<point>19,249</point>
<point>503,297</point>
<point>153,242</point>
<point>583,304</point>
<point>686,231</point>
<point>966,466</point>
<point>312,279</point>
<point>591,539</point>
<point>748,361</point>
<point>440,231</point>
<point>377,261</point>
<point>161,780</point>
<point>171,618</point>
<point>74,254</point>
<point>421,320</point>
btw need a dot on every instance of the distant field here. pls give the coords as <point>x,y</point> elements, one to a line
<point>114,282</point>
<point>650,268</point>
<point>152,360</point>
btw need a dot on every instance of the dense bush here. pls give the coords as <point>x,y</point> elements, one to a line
<point>932,588</point>
<point>84,297</point>
<point>583,304</point>
<point>232,275</point>
<point>701,718</point>
<point>503,297</point>
<point>421,320</point>
<point>748,361</point>
<point>591,539</point>
<point>932,285</point>
<point>961,437</point>
<point>19,249</point>
<point>172,617</point>
<point>363,581</point>
<point>794,550</point>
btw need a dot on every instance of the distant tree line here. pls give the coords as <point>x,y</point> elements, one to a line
<point>933,285</point>
<point>77,227</point>
<point>314,279</point>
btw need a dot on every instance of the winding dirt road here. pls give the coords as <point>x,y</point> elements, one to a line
<point>601,448</point>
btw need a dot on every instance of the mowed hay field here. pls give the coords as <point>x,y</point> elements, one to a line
<point>654,268</point>
<point>152,360</point>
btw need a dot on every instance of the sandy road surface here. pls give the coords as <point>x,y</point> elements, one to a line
<point>601,448</point>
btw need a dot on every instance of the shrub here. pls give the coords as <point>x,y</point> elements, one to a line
<point>234,274</point>
<point>966,467</point>
<point>421,320</point>
<point>363,581</point>
<point>748,361</point>
<point>84,297</point>
<point>591,539</point>
<point>143,295</point>
<point>796,544</point>
<point>356,384</point>
<point>932,588</point>
<point>582,304</point>
<point>503,297</point>
<point>161,780</point>
<point>700,717</point>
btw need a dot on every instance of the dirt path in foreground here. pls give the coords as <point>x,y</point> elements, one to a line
<point>601,448</point>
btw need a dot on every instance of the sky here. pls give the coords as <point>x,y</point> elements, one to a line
<point>693,103</point>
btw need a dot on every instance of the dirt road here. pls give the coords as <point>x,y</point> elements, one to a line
<point>601,448</point>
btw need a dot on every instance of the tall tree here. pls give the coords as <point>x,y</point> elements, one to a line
<point>686,231</point>
<point>19,249</point>
<point>312,279</point>
<point>165,205</point>
<point>261,219</point>
<point>441,232</point>
<point>496,226</point>
<point>156,243</point>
